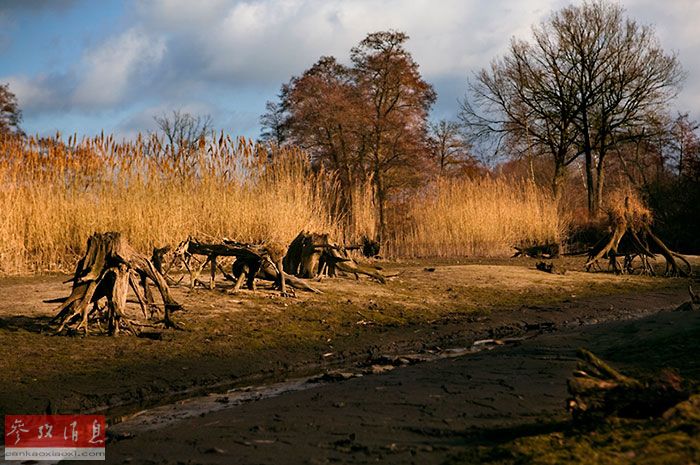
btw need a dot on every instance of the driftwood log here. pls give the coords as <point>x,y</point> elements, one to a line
<point>242,271</point>
<point>549,250</point>
<point>308,256</point>
<point>108,269</point>
<point>597,390</point>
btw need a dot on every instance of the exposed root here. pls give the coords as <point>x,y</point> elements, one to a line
<point>108,270</point>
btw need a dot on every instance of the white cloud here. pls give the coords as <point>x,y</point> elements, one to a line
<point>110,71</point>
<point>231,55</point>
<point>265,40</point>
<point>34,92</point>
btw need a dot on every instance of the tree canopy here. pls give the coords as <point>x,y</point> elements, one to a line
<point>10,113</point>
<point>368,121</point>
<point>590,81</point>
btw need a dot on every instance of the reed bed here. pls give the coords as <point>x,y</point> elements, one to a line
<point>478,217</point>
<point>54,194</point>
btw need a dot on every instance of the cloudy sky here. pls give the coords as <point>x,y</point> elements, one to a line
<point>84,66</point>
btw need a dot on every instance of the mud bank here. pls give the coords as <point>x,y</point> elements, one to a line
<point>455,409</point>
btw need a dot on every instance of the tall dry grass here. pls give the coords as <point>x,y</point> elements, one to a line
<point>54,194</point>
<point>483,217</point>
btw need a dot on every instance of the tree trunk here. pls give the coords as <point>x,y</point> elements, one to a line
<point>590,186</point>
<point>599,184</point>
<point>588,151</point>
<point>381,206</point>
<point>557,179</point>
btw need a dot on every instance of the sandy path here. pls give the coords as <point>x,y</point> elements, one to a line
<point>420,414</point>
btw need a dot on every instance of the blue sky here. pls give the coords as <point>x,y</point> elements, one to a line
<point>84,66</point>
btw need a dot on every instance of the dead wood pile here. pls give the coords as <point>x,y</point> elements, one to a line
<point>108,269</point>
<point>251,260</point>
<point>309,256</point>
<point>631,238</point>
<point>597,390</point>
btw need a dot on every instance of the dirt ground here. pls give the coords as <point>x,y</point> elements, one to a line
<point>256,338</point>
<point>455,410</point>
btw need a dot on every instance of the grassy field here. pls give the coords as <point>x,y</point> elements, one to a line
<point>57,193</point>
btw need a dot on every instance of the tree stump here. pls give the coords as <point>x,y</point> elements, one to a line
<point>107,270</point>
<point>311,255</point>
<point>631,237</point>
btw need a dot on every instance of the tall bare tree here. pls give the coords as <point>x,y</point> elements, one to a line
<point>449,149</point>
<point>590,80</point>
<point>525,100</point>
<point>622,77</point>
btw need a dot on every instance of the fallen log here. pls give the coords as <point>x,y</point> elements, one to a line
<point>242,271</point>
<point>337,259</point>
<point>597,390</point>
<point>108,269</point>
<point>549,250</point>
<point>253,255</point>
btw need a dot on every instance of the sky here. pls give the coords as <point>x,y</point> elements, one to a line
<point>82,66</point>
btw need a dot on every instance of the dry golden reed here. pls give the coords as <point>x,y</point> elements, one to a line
<point>483,217</point>
<point>54,194</point>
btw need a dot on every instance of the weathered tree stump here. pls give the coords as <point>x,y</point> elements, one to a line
<point>632,238</point>
<point>304,254</point>
<point>107,270</point>
<point>311,255</point>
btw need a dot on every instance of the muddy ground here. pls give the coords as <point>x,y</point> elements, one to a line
<point>467,409</point>
<point>254,338</point>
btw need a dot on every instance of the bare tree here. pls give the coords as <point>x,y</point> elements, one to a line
<point>622,77</point>
<point>448,147</point>
<point>273,124</point>
<point>181,129</point>
<point>684,144</point>
<point>527,105</point>
<point>10,113</point>
<point>590,81</point>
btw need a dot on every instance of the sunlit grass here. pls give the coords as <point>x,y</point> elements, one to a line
<point>55,194</point>
<point>483,217</point>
